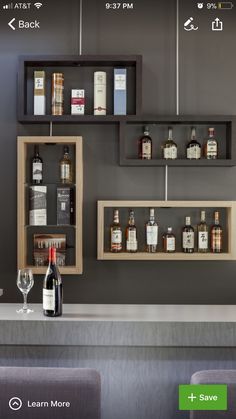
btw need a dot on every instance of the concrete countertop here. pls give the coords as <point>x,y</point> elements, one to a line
<point>121,325</point>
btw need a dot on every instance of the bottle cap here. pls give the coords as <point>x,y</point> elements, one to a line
<point>146,130</point>
<point>188,221</point>
<point>169,229</point>
<point>66,149</point>
<point>152,212</point>
<point>52,254</point>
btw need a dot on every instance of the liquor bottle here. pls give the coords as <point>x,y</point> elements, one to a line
<point>203,234</point>
<point>66,167</point>
<point>57,94</point>
<point>169,241</point>
<point>145,145</point>
<point>170,147</point>
<point>52,288</point>
<point>188,237</point>
<point>216,235</point>
<point>211,146</point>
<point>151,233</point>
<point>193,147</point>
<point>37,167</point>
<point>131,234</point>
<point>116,233</point>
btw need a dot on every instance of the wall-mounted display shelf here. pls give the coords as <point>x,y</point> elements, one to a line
<point>167,213</point>
<point>65,234</point>
<point>131,131</point>
<point>78,73</point>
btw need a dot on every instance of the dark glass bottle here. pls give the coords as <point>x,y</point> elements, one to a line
<point>193,147</point>
<point>52,288</point>
<point>145,145</point>
<point>169,241</point>
<point>37,167</point>
<point>131,234</point>
<point>216,235</point>
<point>116,233</point>
<point>188,237</point>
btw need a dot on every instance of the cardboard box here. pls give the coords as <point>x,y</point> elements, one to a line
<point>77,102</point>
<point>38,205</point>
<point>65,206</point>
<point>39,93</point>
<point>120,91</point>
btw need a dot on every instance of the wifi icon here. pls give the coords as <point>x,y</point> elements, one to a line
<point>38,5</point>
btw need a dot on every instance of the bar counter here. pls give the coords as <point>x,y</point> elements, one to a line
<point>121,325</point>
<point>142,352</point>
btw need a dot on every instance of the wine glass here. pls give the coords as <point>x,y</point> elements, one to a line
<point>25,282</point>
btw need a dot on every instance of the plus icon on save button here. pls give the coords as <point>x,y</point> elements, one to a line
<point>192,397</point>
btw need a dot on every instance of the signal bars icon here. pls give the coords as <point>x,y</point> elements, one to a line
<point>8,6</point>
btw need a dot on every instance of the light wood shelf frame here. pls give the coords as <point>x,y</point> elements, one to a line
<point>230,206</point>
<point>22,143</point>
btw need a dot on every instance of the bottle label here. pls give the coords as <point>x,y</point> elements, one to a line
<point>132,243</point>
<point>188,240</point>
<point>170,244</point>
<point>37,171</point>
<point>65,171</point>
<point>152,235</point>
<point>203,240</point>
<point>116,237</point>
<point>194,152</point>
<point>170,152</point>
<point>146,150</point>
<point>211,148</point>
<point>217,240</point>
<point>49,299</point>
<point>39,83</point>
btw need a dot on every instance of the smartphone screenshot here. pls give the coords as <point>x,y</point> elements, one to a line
<point>118,209</point>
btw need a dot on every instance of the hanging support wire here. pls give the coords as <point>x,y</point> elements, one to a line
<point>177,87</point>
<point>80,27</point>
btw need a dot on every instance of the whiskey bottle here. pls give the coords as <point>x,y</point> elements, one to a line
<point>145,145</point>
<point>151,233</point>
<point>37,167</point>
<point>169,241</point>
<point>216,235</point>
<point>211,146</point>
<point>57,94</point>
<point>193,147</point>
<point>131,234</point>
<point>188,237</point>
<point>170,147</point>
<point>66,167</point>
<point>203,234</point>
<point>116,233</point>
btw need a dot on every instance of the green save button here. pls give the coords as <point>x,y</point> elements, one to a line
<point>203,397</point>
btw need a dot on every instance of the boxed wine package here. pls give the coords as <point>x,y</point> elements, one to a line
<point>42,243</point>
<point>38,205</point>
<point>39,93</point>
<point>77,101</point>
<point>65,206</point>
<point>120,91</point>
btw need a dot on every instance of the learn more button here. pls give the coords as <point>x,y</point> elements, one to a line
<point>203,397</point>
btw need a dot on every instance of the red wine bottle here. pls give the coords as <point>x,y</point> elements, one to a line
<point>52,288</point>
<point>37,167</point>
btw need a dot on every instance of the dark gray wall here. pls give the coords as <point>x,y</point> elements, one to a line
<point>207,80</point>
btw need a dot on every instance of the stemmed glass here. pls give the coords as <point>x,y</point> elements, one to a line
<point>25,282</point>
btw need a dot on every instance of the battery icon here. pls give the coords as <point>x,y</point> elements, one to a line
<point>225,5</point>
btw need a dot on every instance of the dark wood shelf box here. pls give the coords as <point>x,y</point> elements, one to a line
<point>78,72</point>
<point>131,129</point>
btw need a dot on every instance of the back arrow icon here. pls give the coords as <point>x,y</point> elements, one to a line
<point>10,24</point>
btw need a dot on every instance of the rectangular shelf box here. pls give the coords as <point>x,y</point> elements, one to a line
<point>226,207</point>
<point>25,232</point>
<point>131,129</point>
<point>78,71</point>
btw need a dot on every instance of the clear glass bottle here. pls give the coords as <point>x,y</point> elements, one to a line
<point>217,235</point>
<point>145,145</point>
<point>193,147</point>
<point>170,147</point>
<point>211,146</point>
<point>116,233</point>
<point>151,233</point>
<point>203,234</point>
<point>169,241</point>
<point>66,167</point>
<point>131,234</point>
<point>188,237</point>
